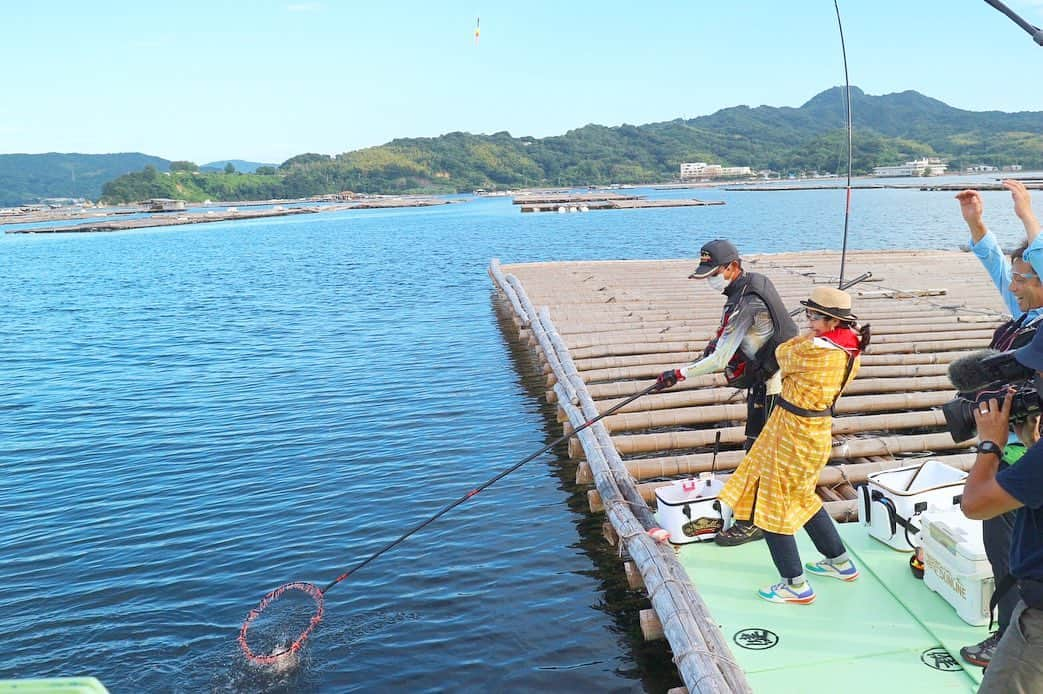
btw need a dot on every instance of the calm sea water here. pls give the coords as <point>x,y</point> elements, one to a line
<point>191,417</point>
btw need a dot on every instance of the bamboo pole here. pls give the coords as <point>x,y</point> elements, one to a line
<point>621,389</point>
<point>540,333</point>
<point>674,440</point>
<point>596,379</point>
<point>607,345</point>
<point>694,463</point>
<point>587,358</point>
<point>607,325</point>
<point>721,396</point>
<point>831,475</point>
<point>691,416</point>
<point>496,273</point>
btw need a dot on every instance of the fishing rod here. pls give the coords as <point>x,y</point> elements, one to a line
<point>847,92</point>
<point>843,285</point>
<point>1034,31</point>
<point>317,594</point>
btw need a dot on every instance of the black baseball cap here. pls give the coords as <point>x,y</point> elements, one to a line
<point>713,255</point>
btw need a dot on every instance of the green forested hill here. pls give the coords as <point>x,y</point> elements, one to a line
<point>29,177</point>
<point>888,129</point>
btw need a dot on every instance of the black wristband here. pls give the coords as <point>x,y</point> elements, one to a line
<point>990,447</point>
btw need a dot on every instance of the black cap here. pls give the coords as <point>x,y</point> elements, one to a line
<point>713,255</point>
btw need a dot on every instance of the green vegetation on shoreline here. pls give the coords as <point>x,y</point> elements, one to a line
<point>889,129</point>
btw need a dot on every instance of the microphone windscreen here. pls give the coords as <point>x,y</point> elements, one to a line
<point>967,373</point>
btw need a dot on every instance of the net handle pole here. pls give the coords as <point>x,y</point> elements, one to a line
<point>449,507</point>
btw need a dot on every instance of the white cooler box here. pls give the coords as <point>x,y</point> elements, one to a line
<point>689,510</point>
<point>955,565</point>
<point>892,500</point>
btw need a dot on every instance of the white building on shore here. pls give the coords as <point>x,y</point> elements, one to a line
<point>700,169</point>
<point>917,167</point>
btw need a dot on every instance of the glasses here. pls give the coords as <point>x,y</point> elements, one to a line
<point>815,315</point>
<point>1023,276</point>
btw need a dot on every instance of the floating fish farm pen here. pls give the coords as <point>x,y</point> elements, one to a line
<point>603,330</point>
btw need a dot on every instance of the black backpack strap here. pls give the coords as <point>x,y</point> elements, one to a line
<point>1005,584</point>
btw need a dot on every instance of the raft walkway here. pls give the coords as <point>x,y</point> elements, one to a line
<point>604,330</point>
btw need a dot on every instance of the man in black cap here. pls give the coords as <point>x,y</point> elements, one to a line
<point>991,490</point>
<point>754,322</point>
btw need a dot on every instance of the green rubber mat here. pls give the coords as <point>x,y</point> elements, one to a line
<point>56,685</point>
<point>885,632</point>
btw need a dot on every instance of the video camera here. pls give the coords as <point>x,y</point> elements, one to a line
<point>982,376</point>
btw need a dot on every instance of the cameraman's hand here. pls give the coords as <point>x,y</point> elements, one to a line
<point>993,419</point>
<point>1028,431</point>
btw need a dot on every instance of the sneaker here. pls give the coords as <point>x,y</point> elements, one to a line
<point>980,654</point>
<point>740,533</point>
<point>845,570</point>
<point>783,592</point>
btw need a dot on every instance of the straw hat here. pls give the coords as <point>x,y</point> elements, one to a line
<point>834,303</point>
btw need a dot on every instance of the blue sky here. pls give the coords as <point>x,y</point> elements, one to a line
<point>264,80</point>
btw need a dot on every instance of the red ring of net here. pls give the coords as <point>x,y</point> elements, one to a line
<point>308,589</point>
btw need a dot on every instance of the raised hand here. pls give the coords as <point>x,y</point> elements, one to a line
<point>970,205</point>
<point>1023,206</point>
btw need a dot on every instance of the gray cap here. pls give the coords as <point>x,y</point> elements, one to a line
<point>713,255</point>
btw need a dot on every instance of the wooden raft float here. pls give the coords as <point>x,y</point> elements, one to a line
<point>585,202</point>
<point>603,330</point>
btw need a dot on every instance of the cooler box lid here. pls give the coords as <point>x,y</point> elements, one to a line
<point>956,532</point>
<point>687,491</point>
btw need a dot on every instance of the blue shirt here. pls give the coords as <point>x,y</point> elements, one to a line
<point>1024,482</point>
<point>998,267</point>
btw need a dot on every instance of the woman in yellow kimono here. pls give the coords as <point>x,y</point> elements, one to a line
<point>775,483</point>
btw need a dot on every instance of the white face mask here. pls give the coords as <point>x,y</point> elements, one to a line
<point>717,282</point>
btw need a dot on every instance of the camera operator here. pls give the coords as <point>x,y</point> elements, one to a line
<point>1017,663</point>
<point>1018,281</point>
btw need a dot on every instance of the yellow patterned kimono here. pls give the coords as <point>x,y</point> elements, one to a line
<point>776,480</point>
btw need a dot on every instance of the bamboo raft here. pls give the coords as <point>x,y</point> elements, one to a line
<point>586,202</point>
<point>603,330</point>
<point>165,219</point>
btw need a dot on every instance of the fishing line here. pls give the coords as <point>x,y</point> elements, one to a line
<point>312,596</point>
<point>847,92</point>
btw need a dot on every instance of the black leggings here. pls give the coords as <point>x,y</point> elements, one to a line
<point>758,408</point>
<point>783,548</point>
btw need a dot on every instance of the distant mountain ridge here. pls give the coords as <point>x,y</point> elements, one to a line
<point>888,129</point>
<point>30,177</point>
<point>239,164</point>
